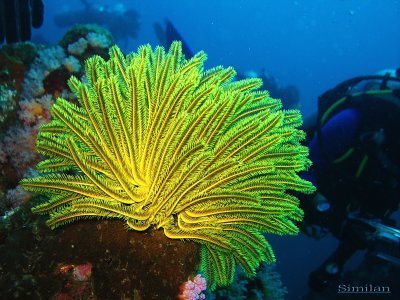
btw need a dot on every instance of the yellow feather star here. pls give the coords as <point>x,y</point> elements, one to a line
<point>159,142</point>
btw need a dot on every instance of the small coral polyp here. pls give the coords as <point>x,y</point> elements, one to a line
<point>192,290</point>
<point>158,142</point>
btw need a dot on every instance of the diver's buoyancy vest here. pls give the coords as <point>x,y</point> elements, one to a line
<point>372,162</point>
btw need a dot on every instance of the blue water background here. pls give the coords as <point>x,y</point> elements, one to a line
<point>312,44</point>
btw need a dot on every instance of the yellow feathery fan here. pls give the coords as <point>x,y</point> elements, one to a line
<point>158,141</point>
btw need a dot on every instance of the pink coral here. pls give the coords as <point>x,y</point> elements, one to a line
<point>19,146</point>
<point>192,290</point>
<point>19,142</point>
<point>82,272</point>
<point>77,281</point>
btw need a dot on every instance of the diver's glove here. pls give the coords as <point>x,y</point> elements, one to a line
<point>17,17</point>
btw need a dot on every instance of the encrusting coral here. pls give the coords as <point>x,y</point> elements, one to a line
<point>160,143</point>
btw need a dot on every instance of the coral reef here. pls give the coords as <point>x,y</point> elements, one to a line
<point>84,40</point>
<point>14,60</point>
<point>31,77</point>
<point>7,103</point>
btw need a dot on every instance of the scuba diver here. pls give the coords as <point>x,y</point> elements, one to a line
<point>166,35</point>
<point>355,148</point>
<point>17,17</point>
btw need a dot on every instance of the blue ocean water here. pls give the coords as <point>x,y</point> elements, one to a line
<point>313,45</point>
